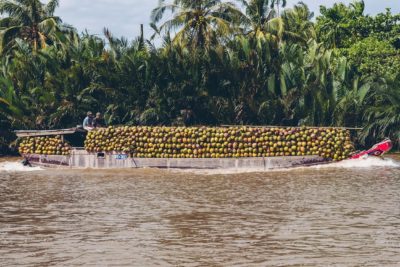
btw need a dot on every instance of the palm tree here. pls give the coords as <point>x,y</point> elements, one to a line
<point>31,21</point>
<point>382,117</point>
<point>198,23</point>
<point>278,4</point>
<point>260,20</point>
<point>298,23</point>
<point>12,107</point>
<point>353,95</point>
<point>334,24</point>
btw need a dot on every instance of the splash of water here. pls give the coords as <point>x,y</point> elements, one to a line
<point>345,164</point>
<point>362,163</point>
<point>369,162</point>
<point>17,167</point>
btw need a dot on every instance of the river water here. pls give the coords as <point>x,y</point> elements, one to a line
<point>342,215</point>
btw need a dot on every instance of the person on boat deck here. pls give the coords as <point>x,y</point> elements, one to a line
<point>88,121</point>
<point>99,121</point>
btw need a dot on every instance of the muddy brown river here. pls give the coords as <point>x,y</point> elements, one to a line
<point>342,215</point>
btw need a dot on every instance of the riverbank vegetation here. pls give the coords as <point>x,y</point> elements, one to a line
<point>212,62</point>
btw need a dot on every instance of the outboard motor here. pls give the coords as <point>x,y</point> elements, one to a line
<point>26,162</point>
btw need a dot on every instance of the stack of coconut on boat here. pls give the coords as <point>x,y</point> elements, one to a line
<point>44,145</point>
<point>221,142</point>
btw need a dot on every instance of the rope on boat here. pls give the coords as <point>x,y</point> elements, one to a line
<point>134,162</point>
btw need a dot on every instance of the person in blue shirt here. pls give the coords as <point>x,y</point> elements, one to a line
<point>88,121</point>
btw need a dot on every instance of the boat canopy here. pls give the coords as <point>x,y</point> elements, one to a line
<point>36,133</point>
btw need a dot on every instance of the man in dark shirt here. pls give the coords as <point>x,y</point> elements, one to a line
<point>99,121</point>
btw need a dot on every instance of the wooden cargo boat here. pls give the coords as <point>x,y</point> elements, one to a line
<point>80,158</point>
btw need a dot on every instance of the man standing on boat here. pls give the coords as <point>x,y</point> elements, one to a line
<point>88,121</point>
<point>99,121</point>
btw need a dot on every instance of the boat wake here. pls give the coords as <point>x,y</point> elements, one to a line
<point>16,166</point>
<point>345,164</point>
<point>9,166</point>
<point>361,163</point>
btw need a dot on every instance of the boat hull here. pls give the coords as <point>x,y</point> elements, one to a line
<point>83,159</point>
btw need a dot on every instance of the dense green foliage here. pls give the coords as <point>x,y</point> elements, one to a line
<point>249,62</point>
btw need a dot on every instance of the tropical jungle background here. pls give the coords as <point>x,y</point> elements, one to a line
<point>252,62</point>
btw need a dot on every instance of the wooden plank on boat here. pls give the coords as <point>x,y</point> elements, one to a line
<point>35,133</point>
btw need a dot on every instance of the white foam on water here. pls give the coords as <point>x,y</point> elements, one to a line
<point>361,163</point>
<point>8,166</point>
<point>369,162</point>
<point>345,164</point>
